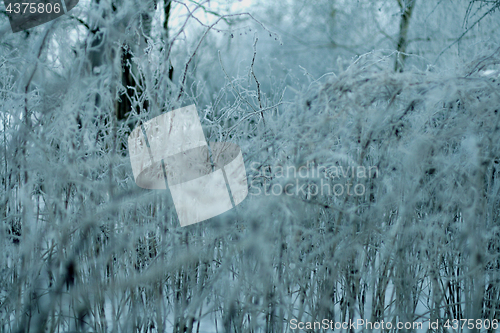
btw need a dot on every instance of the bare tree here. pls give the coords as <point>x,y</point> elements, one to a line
<point>406,7</point>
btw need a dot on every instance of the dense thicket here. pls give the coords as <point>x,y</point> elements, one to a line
<point>373,193</point>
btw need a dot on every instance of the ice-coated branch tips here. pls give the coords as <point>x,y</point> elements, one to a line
<point>200,189</point>
<point>26,14</point>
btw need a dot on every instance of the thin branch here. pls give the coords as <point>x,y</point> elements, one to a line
<point>255,77</point>
<point>464,33</point>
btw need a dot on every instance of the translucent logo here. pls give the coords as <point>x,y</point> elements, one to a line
<point>26,14</point>
<point>204,180</point>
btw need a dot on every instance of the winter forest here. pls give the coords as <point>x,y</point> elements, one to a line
<point>370,134</point>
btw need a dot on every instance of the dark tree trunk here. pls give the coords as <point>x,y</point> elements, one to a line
<point>406,11</point>
<point>168,4</point>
